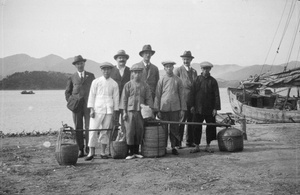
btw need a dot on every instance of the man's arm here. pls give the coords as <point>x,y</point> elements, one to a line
<point>69,88</point>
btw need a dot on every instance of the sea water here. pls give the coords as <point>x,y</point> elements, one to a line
<point>46,110</point>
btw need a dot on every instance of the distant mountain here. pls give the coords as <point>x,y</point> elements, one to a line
<point>219,70</point>
<point>35,80</point>
<point>246,72</point>
<point>23,62</point>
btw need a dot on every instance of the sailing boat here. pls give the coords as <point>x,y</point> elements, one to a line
<point>260,99</point>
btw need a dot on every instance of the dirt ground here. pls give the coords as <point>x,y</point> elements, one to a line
<point>269,164</point>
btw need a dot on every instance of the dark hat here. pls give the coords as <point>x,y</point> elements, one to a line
<point>78,59</point>
<point>187,54</point>
<point>137,67</point>
<point>206,64</point>
<point>168,62</point>
<point>146,48</point>
<point>106,65</point>
<point>121,53</point>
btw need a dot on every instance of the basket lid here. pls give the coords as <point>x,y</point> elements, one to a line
<point>231,131</point>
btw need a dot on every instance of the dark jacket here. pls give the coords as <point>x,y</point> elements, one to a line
<point>182,73</point>
<point>77,87</point>
<point>205,95</point>
<point>151,77</point>
<point>121,80</point>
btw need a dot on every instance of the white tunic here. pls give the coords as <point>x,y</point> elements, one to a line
<point>104,96</point>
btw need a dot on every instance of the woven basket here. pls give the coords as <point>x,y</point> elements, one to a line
<point>154,142</point>
<point>230,140</point>
<point>66,153</point>
<point>118,149</point>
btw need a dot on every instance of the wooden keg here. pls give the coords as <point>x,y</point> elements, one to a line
<point>118,149</point>
<point>66,153</point>
<point>154,142</point>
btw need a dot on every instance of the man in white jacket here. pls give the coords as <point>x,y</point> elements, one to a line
<point>103,102</point>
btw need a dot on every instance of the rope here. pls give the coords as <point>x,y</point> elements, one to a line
<point>274,38</point>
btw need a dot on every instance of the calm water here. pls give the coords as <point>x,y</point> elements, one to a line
<point>45,110</point>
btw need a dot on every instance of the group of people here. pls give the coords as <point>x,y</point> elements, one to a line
<point>179,95</point>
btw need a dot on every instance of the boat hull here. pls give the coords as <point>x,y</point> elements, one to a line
<point>261,115</point>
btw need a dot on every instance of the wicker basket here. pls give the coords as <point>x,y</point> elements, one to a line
<point>66,153</point>
<point>230,140</point>
<point>118,149</point>
<point>154,142</point>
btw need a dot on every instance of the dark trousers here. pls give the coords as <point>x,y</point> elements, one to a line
<point>211,132</point>
<point>79,118</point>
<point>171,129</point>
<point>188,117</point>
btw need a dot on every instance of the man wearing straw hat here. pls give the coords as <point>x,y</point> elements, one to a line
<point>150,72</point>
<point>135,93</point>
<point>170,103</point>
<point>205,101</point>
<point>188,76</point>
<point>79,85</point>
<point>103,102</point>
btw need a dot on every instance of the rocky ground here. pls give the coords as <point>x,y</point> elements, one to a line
<point>269,164</point>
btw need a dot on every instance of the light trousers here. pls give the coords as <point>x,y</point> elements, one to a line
<point>100,121</point>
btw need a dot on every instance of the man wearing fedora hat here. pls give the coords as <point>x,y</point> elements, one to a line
<point>121,74</point>
<point>103,102</point>
<point>187,75</point>
<point>170,103</point>
<point>150,72</point>
<point>79,85</point>
<point>205,101</point>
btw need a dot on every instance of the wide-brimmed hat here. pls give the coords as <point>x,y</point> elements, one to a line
<point>106,65</point>
<point>146,48</point>
<point>137,67</point>
<point>78,58</point>
<point>187,54</point>
<point>168,62</point>
<point>206,64</point>
<point>121,53</point>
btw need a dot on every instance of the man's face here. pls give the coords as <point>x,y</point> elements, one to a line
<point>137,74</point>
<point>187,61</point>
<point>169,68</point>
<point>121,60</point>
<point>106,72</point>
<point>205,70</point>
<point>80,66</point>
<point>147,56</point>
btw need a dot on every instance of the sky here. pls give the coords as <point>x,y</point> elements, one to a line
<point>223,32</point>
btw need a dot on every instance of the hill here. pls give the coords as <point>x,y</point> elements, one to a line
<point>35,80</point>
<point>23,62</point>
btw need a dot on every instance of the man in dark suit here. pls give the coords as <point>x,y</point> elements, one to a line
<point>79,85</point>
<point>121,74</point>
<point>150,72</point>
<point>188,75</point>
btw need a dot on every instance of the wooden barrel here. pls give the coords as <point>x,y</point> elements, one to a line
<point>118,149</point>
<point>67,154</point>
<point>154,144</point>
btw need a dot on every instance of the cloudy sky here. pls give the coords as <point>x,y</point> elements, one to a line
<point>222,32</point>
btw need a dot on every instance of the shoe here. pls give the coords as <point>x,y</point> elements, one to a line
<point>174,151</point>
<point>130,157</point>
<point>195,150</point>
<point>103,156</point>
<point>190,145</point>
<point>80,154</point>
<point>88,158</point>
<point>138,156</point>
